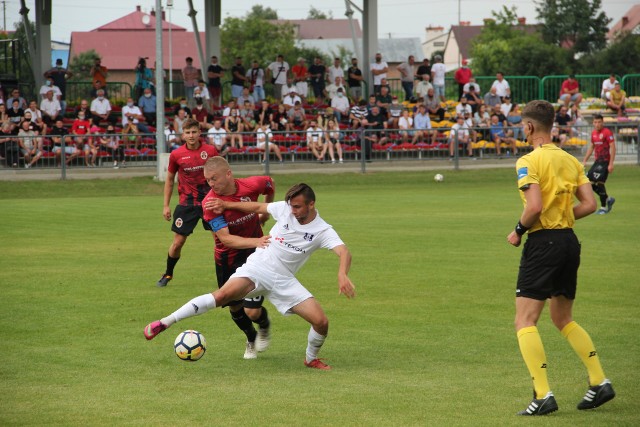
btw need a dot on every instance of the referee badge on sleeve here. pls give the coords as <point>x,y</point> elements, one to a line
<point>522,172</point>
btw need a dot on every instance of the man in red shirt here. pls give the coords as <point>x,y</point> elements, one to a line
<point>570,91</point>
<point>300,76</point>
<point>188,162</point>
<point>603,143</point>
<point>237,234</point>
<point>462,77</point>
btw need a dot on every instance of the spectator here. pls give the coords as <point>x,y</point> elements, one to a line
<point>394,112</point>
<point>278,72</point>
<point>405,125</point>
<point>4,117</point>
<point>316,141</point>
<point>100,109</point>
<point>30,144</point>
<point>279,120</point>
<point>617,100</point>
<point>462,76</point>
<point>473,98</point>
<point>499,135</point>
<point>57,93</point>
<point>422,125</point>
<point>501,85</point>
<point>59,137</point>
<point>407,75</point>
<point>238,78</point>
<point>491,98</point>
<point>482,120</point>
<point>255,78</point>
<point>432,105</point>
<point>98,72</point>
<point>179,120</point>
<point>459,135</point>
<point>201,114</point>
<point>9,144</point>
<point>332,90</point>
<point>383,100</point>
<point>246,116</point>
<point>497,110</point>
<point>147,104</point>
<point>335,71</point>
<point>291,100</point>
<point>297,117</point>
<point>15,95</point>
<point>424,68</point>
<point>245,97</point>
<point>234,127</point>
<point>217,136</point>
<point>607,86</point>
<point>131,122</point>
<point>264,115</point>
<point>201,91</point>
<point>144,78</point>
<point>570,91</point>
<point>288,87</point>
<point>97,85</point>
<point>317,72</point>
<point>514,121</point>
<point>506,106</point>
<point>377,123</point>
<point>33,110</point>
<point>230,106</point>
<point>379,71</point>
<point>563,121</point>
<point>300,75</point>
<point>438,72</point>
<point>576,118</point>
<point>333,136</point>
<point>470,84</point>
<point>354,80</point>
<point>182,105</point>
<point>59,75</point>
<point>423,86</point>
<point>340,105</point>
<point>84,107</point>
<point>110,142</point>
<point>50,108</point>
<point>358,114</point>
<point>463,107</point>
<point>215,74</point>
<point>263,136</point>
<point>84,143</point>
<point>15,113</point>
<point>190,76</point>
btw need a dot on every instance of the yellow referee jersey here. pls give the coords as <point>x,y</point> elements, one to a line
<point>559,175</point>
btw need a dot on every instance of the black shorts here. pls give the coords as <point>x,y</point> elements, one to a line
<point>599,172</point>
<point>185,219</point>
<point>225,270</point>
<point>549,265</point>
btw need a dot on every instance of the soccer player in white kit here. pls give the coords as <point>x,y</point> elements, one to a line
<point>270,271</point>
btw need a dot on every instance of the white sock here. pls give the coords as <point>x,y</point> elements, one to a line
<point>196,306</point>
<point>315,341</point>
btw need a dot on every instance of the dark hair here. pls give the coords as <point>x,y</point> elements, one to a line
<point>541,113</point>
<point>298,189</point>
<point>189,59</point>
<point>598,117</point>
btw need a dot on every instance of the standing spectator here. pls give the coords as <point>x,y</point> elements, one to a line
<point>354,80</point>
<point>50,108</point>
<point>238,78</point>
<point>340,105</point>
<point>423,86</point>
<point>422,125</point>
<point>407,73</point>
<point>462,76</point>
<point>144,78</point>
<point>98,72</point>
<point>300,75</point>
<point>618,99</point>
<point>59,75</point>
<point>100,109</point>
<point>501,86</point>
<point>379,71</point>
<point>317,72</point>
<point>335,71</point>
<point>148,104</point>
<point>215,74</point>
<point>110,142</point>
<point>570,91</point>
<point>491,98</point>
<point>433,106</point>
<point>190,75</point>
<point>607,86</point>
<point>46,87</point>
<point>30,144</point>
<point>255,77</point>
<point>424,68</point>
<point>278,71</point>
<point>438,72</point>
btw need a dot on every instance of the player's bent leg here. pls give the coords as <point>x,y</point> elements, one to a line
<point>260,316</point>
<point>311,311</point>
<point>243,323</point>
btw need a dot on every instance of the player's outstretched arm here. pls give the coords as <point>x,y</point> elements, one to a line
<point>236,242</point>
<point>345,285</point>
<point>218,206</point>
<point>586,202</point>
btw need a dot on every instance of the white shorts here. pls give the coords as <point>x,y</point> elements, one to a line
<point>284,292</point>
<point>302,89</point>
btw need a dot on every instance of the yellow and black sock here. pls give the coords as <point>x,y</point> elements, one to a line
<point>533,354</point>
<point>584,348</point>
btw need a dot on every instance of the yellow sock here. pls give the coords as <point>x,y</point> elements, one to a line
<point>584,348</point>
<point>533,354</point>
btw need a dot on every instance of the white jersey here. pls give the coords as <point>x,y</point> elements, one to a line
<point>291,242</point>
<point>217,136</point>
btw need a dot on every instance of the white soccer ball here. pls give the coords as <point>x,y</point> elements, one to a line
<point>190,345</point>
<point>438,177</point>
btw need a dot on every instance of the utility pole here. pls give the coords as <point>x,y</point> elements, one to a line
<point>4,16</point>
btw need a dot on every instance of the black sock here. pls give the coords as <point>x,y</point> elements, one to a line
<point>171,263</point>
<point>244,324</point>
<point>602,192</point>
<point>263,321</point>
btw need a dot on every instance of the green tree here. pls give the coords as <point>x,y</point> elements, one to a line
<point>576,24</point>
<point>81,64</point>
<point>260,12</point>
<point>622,57</point>
<point>318,14</point>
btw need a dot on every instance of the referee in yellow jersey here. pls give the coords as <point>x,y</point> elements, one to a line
<point>549,180</point>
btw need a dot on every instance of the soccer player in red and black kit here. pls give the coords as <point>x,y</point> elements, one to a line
<point>604,144</point>
<point>188,162</point>
<point>237,234</point>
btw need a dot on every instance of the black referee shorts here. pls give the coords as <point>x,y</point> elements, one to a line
<point>226,269</point>
<point>185,219</point>
<point>549,265</point>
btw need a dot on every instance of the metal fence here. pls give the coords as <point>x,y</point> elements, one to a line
<point>590,85</point>
<point>117,92</point>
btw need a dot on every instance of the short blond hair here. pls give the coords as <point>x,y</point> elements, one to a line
<point>216,162</point>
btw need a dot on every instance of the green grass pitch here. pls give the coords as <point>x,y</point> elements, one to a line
<point>428,340</point>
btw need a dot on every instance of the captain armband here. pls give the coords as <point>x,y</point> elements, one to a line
<point>218,223</point>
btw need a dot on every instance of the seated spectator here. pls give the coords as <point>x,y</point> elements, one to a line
<point>200,114</point>
<point>110,142</point>
<point>472,84</point>
<point>501,86</point>
<point>459,135</point>
<point>173,141</point>
<point>59,136</point>
<point>15,95</point>
<point>4,117</point>
<point>491,98</point>
<point>97,85</point>
<point>80,131</point>
<point>183,105</point>
<point>316,141</point>
<point>245,97</point>
<point>506,106</point>
<point>372,103</point>
<point>47,86</point>
<point>423,86</point>
<point>30,144</point>
<point>297,117</point>
<point>563,121</point>
<point>432,106</point>
<point>331,90</point>
<point>9,145</point>
<point>217,137</point>
<point>514,121</point>
<point>463,107</point>
<point>357,114</point>
<point>578,122</point>
<point>50,108</point>
<point>291,99</point>
<point>570,91</point>
<point>100,109</point>
<point>279,120</point>
<point>607,86</point>
<point>201,91</point>
<point>497,110</point>
<point>394,112</point>
<point>499,135</point>
<point>147,104</point>
<point>405,126</point>
<point>84,107</point>
<point>264,115</point>
<point>473,98</point>
<point>179,120</point>
<point>263,133</point>
<point>226,112</point>
<point>340,105</point>
<point>288,87</point>
<point>468,121</point>
<point>234,127</point>
<point>556,138</point>
<point>384,100</point>
<point>246,115</point>
<point>132,113</point>
<point>34,111</point>
<point>617,100</point>
<point>15,113</point>
<point>422,125</point>
<point>377,123</point>
<point>333,135</point>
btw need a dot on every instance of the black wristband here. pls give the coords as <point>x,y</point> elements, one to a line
<point>521,229</point>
